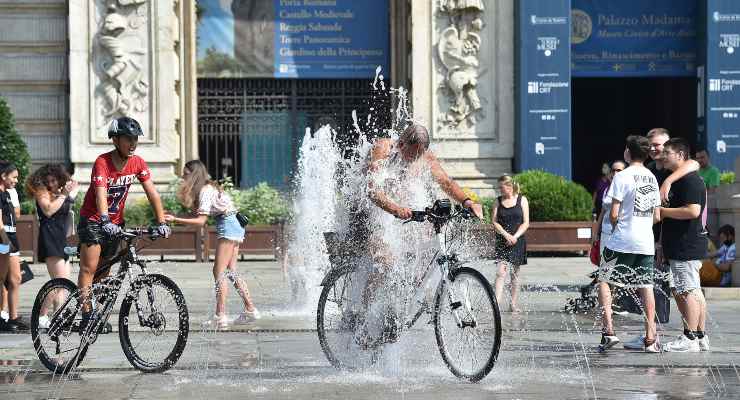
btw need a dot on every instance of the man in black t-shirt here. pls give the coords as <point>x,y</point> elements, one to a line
<point>684,246</point>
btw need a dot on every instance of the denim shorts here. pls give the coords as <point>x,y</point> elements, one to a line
<point>227,227</point>
<point>685,275</point>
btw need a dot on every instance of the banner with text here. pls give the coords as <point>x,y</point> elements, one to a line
<point>722,82</point>
<point>293,38</point>
<point>634,38</point>
<point>544,128</point>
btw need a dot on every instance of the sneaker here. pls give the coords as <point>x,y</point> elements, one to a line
<point>4,315</point>
<point>6,327</point>
<point>217,322</point>
<point>652,348</point>
<point>246,317</point>
<point>607,342</point>
<point>43,322</point>
<point>704,343</point>
<point>636,343</point>
<point>682,345</point>
<point>19,323</point>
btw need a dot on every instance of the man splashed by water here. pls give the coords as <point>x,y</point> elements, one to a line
<point>401,175</point>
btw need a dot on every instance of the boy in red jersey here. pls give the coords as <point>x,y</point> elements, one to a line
<point>101,215</point>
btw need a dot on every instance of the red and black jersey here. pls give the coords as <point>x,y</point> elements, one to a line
<point>105,174</point>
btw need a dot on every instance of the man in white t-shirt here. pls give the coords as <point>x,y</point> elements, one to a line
<point>627,259</point>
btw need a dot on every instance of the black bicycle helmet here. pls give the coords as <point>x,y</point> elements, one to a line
<point>124,126</point>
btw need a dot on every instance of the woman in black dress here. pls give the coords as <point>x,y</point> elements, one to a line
<point>54,192</point>
<point>510,216</point>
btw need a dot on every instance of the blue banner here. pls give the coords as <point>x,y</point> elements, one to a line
<point>634,38</point>
<point>293,38</point>
<point>543,57</point>
<point>722,82</point>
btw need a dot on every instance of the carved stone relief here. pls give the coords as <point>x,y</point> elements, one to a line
<point>458,50</point>
<point>120,60</point>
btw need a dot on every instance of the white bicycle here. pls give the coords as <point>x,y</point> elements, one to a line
<point>466,318</point>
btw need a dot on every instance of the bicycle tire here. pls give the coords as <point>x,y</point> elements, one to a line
<point>357,357</point>
<point>130,349</point>
<point>441,306</point>
<point>61,324</point>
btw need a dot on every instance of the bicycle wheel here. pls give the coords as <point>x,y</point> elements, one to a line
<point>153,323</point>
<point>337,319</point>
<point>54,324</point>
<point>469,349</point>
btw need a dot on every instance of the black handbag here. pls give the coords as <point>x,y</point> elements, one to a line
<point>243,220</point>
<point>26,274</point>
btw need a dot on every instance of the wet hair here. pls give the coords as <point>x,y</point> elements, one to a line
<point>728,230</point>
<point>658,132</point>
<point>415,134</point>
<point>639,147</point>
<point>7,167</point>
<point>508,180</point>
<point>189,191</point>
<point>39,179</point>
<point>678,145</point>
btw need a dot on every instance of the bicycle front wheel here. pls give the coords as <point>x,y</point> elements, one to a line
<point>469,343</point>
<point>153,323</point>
<point>55,325</point>
<point>338,320</point>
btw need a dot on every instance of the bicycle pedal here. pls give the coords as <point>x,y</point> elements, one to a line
<point>455,305</point>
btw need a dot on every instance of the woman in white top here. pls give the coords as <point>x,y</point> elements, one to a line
<point>198,193</point>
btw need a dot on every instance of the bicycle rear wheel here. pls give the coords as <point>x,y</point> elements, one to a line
<point>338,318</point>
<point>55,322</point>
<point>469,349</point>
<point>153,323</point>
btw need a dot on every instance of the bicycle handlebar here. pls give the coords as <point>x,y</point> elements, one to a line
<point>132,233</point>
<point>428,215</point>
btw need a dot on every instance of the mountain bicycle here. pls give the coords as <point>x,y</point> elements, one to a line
<point>153,319</point>
<point>463,308</point>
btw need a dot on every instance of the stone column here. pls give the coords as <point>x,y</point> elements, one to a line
<point>463,85</point>
<point>133,58</point>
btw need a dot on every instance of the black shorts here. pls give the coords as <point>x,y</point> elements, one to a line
<point>91,233</point>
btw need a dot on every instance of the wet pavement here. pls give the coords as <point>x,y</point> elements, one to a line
<point>545,353</point>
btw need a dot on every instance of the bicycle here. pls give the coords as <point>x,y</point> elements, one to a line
<point>147,300</point>
<point>463,309</point>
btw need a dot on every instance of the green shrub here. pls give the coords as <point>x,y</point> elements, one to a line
<point>553,198</point>
<point>727,178</point>
<point>262,204</point>
<point>12,147</point>
<point>487,204</point>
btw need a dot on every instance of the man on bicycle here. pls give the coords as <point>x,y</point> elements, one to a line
<point>399,172</point>
<point>101,215</point>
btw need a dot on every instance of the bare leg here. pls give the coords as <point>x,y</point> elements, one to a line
<point>703,309</point>
<point>648,303</point>
<point>605,302</point>
<point>13,280</point>
<point>4,268</point>
<point>681,305</point>
<point>89,258</point>
<point>224,255</point>
<point>240,284</point>
<point>515,289</point>
<point>500,280</point>
<point>3,295</point>
<point>58,268</point>
<point>692,307</point>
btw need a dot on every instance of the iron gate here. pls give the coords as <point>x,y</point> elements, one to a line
<point>250,129</point>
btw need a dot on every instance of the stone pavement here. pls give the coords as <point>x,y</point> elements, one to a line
<point>545,353</point>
